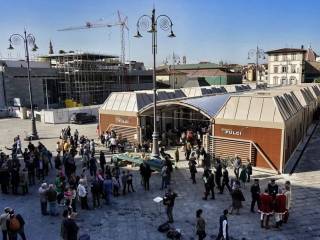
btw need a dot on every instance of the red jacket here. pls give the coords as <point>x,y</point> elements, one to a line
<point>280,204</point>
<point>266,203</point>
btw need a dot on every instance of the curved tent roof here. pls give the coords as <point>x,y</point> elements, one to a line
<point>208,104</point>
<point>135,101</point>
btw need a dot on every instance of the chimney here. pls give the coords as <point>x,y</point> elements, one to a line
<point>302,47</point>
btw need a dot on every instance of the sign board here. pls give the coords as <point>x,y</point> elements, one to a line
<point>122,120</point>
<point>231,132</point>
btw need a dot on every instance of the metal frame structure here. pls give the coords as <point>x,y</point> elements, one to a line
<point>258,53</point>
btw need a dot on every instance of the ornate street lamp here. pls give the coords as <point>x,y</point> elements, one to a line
<point>257,53</point>
<point>165,24</point>
<point>29,40</point>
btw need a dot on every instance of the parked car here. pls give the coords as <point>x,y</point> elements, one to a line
<point>80,118</point>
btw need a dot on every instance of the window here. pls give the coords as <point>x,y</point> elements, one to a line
<point>284,69</point>
<point>293,68</point>
<point>293,57</point>
<point>293,80</point>
<point>275,69</point>
<point>283,80</point>
<point>284,57</point>
<point>275,57</point>
<point>275,80</point>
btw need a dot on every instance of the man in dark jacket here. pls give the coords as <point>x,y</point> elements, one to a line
<point>168,201</point>
<point>218,174</point>
<point>4,180</point>
<point>102,161</point>
<point>145,172</point>
<point>223,226</point>
<point>255,194</point>
<point>273,188</point>
<point>69,228</point>
<point>52,200</point>
<point>208,179</point>
<point>225,180</point>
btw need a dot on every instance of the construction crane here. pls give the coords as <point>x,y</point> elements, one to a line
<point>122,23</point>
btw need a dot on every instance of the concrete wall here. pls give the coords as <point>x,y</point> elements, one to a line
<point>63,115</point>
<point>19,88</point>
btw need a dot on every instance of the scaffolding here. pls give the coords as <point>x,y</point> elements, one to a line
<point>86,78</point>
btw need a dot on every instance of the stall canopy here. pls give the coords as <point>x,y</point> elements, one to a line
<point>135,101</point>
<point>260,109</point>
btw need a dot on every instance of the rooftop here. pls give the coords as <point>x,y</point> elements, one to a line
<point>193,66</point>
<point>287,50</point>
<point>80,54</point>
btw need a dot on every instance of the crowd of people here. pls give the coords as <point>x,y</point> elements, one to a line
<point>272,202</point>
<point>96,181</point>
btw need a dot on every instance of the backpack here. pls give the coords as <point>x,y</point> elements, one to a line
<point>164,227</point>
<point>14,224</point>
<point>173,234</point>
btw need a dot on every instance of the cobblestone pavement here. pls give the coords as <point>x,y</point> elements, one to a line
<point>136,216</point>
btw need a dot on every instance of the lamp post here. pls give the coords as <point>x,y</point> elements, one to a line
<point>257,53</point>
<point>165,24</point>
<point>28,40</point>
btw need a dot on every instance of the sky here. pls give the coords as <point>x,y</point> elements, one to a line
<point>206,30</point>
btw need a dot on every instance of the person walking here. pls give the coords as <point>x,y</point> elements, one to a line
<point>225,180</point>
<point>95,191</point>
<point>115,186</point>
<point>3,222</point>
<point>145,171</point>
<point>193,169</point>
<point>287,193</point>
<point>237,199</point>
<point>129,181</point>
<point>102,160</point>
<point>255,194</point>
<point>69,228</point>
<point>249,171</point>
<point>168,201</point>
<point>176,157</point>
<point>208,179</point>
<point>82,193</point>
<point>93,166</point>
<point>164,177</point>
<point>124,179</point>
<point>243,176</point>
<point>237,165</point>
<point>43,198</point>
<point>218,174</point>
<point>200,225</point>
<point>223,226</point>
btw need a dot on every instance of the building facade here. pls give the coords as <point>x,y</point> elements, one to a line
<point>194,75</point>
<point>286,66</point>
<point>14,87</point>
